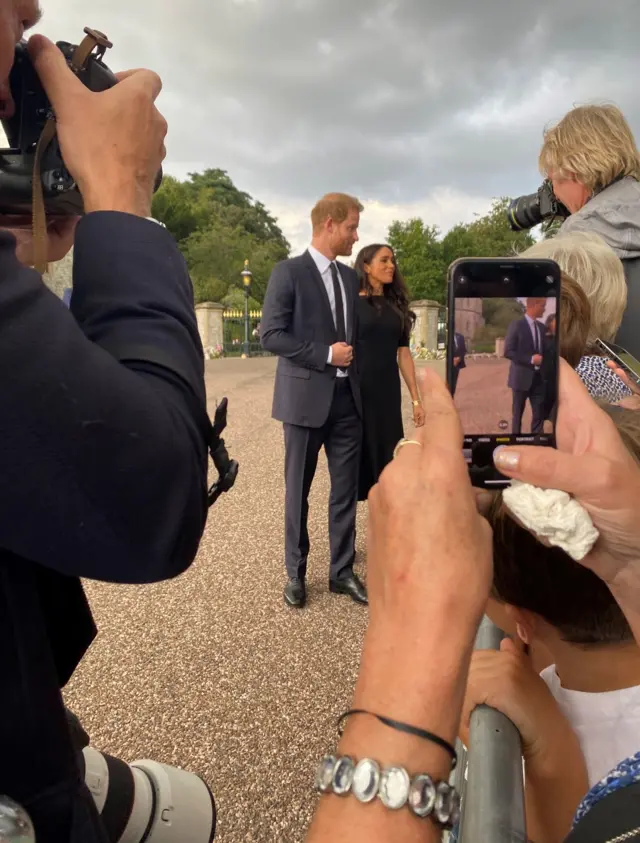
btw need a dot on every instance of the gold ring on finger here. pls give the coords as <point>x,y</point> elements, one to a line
<point>404,442</point>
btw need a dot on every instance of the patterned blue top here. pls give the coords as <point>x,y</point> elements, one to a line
<point>600,380</point>
<point>627,772</point>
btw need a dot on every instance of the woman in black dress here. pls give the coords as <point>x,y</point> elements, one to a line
<point>382,352</point>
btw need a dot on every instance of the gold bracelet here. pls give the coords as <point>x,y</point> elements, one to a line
<point>417,403</point>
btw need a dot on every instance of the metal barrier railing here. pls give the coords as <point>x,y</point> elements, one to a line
<point>490,777</point>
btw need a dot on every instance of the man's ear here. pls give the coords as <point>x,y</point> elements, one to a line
<point>526,623</point>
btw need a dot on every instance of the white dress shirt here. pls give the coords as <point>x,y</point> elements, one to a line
<point>324,268</point>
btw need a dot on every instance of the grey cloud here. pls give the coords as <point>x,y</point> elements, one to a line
<point>385,99</point>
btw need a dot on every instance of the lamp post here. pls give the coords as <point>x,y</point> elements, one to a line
<point>246,283</point>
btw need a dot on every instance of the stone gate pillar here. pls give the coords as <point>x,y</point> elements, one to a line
<point>425,331</point>
<point>210,323</point>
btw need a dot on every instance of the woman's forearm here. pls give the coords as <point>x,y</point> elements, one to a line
<point>422,685</point>
<point>408,370</point>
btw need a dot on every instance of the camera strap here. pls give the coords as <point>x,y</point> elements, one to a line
<point>92,40</point>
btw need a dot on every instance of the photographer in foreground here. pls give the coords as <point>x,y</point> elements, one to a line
<point>593,163</point>
<point>104,432</point>
<point>425,608</point>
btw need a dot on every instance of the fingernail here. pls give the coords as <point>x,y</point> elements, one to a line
<point>509,460</point>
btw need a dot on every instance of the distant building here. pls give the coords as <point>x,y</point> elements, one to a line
<point>469,318</point>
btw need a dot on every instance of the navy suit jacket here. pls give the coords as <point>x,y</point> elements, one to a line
<point>519,348</point>
<point>103,458</point>
<point>298,326</point>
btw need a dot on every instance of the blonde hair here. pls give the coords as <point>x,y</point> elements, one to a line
<point>594,265</point>
<point>335,206</point>
<point>593,143</point>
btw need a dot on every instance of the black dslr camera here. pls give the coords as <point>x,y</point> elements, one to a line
<point>526,211</point>
<point>33,113</point>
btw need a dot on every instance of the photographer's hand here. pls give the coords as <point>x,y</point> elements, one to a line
<point>60,234</point>
<point>113,141</point>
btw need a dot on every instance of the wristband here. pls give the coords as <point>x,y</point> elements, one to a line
<point>407,729</point>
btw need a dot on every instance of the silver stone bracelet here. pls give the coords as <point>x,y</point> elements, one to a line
<point>393,786</point>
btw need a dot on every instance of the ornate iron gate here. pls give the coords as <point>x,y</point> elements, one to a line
<point>234,333</point>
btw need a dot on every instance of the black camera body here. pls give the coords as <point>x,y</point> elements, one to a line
<point>23,130</point>
<point>525,212</point>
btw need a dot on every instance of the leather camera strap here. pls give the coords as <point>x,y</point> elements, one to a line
<point>92,39</point>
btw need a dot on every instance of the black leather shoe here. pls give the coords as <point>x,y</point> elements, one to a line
<point>295,593</point>
<point>351,586</point>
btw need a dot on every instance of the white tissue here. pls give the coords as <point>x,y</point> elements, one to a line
<point>554,516</point>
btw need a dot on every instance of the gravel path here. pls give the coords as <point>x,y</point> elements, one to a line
<point>211,671</point>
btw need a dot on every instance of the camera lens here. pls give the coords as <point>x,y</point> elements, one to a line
<point>506,279</point>
<point>549,279</point>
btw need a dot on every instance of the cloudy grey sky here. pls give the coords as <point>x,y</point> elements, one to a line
<point>420,107</point>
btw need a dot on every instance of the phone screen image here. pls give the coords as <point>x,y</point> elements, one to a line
<point>502,358</point>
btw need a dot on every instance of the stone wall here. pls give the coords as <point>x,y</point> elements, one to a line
<point>469,318</point>
<point>59,276</point>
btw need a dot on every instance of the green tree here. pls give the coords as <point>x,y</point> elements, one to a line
<point>234,299</point>
<point>173,206</point>
<point>423,256</point>
<point>219,252</point>
<point>419,255</point>
<point>218,227</point>
<point>552,229</point>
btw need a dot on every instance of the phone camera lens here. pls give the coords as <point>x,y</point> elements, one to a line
<point>506,279</point>
<point>549,279</point>
<point>463,279</point>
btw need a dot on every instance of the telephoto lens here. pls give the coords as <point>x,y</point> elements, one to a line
<point>15,823</point>
<point>149,802</point>
<point>524,212</point>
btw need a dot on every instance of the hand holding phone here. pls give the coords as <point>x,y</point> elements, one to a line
<point>503,315</point>
<point>624,364</point>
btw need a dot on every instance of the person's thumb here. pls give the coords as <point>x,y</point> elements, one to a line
<point>58,80</point>
<point>548,468</point>
<point>508,645</point>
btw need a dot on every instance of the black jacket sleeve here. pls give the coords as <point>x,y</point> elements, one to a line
<point>103,426</point>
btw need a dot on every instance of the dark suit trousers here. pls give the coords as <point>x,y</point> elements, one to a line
<point>455,371</point>
<point>536,395</point>
<point>341,436</point>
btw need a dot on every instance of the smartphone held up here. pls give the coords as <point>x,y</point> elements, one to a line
<point>502,356</point>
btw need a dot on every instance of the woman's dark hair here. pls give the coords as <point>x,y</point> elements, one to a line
<point>547,581</point>
<point>550,318</point>
<point>396,292</point>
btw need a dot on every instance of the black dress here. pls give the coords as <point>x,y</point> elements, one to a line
<point>381,331</point>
